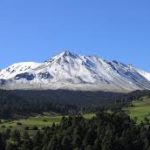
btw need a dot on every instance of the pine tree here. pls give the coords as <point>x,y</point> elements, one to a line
<point>2,145</point>
<point>66,143</point>
<point>11,146</point>
<point>15,136</point>
<point>37,140</point>
<point>77,142</point>
<point>54,144</point>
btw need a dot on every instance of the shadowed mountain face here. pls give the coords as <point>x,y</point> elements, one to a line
<point>75,72</point>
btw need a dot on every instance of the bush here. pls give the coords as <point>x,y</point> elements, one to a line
<point>45,120</point>
<point>3,126</point>
<point>19,123</point>
<point>35,128</point>
<point>26,128</point>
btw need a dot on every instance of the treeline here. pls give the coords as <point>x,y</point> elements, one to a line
<point>12,106</point>
<point>115,131</point>
<point>25,103</point>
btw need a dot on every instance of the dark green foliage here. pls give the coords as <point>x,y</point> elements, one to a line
<point>2,144</point>
<point>115,131</point>
<point>15,136</point>
<point>15,104</point>
<point>106,131</point>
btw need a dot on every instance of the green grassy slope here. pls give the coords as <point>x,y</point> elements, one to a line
<point>140,109</point>
<point>39,121</point>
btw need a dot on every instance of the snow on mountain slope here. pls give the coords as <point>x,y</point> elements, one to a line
<point>71,71</point>
<point>17,68</point>
<point>144,74</point>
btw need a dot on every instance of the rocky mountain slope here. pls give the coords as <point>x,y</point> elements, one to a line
<point>72,71</point>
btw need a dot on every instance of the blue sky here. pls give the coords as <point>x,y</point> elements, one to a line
<point>34,30</point>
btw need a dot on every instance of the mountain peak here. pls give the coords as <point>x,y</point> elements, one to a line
<point>63,54</point>
<point>70,70</point>
<point>68,53</point>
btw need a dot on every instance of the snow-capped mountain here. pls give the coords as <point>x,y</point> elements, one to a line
<point>71,71</point>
